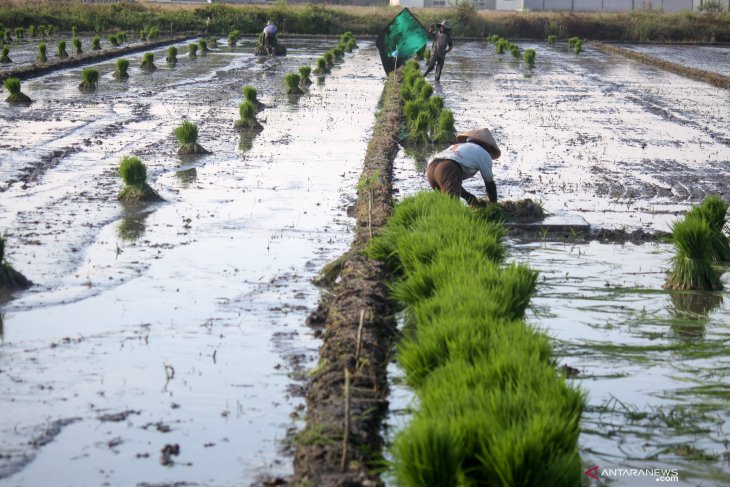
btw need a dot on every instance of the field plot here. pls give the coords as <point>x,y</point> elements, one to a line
<point>181,322</point>
<point>625,146</point>
<point>715,59</point>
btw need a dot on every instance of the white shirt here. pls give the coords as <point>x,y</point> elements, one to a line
<point>472,158</point>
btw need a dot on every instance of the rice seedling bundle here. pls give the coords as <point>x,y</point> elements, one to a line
<point>203,47</point>
<point>143,35</point>
<point>193,50</point>
<point>247,111</point>
<point>692,264</point>
<point>572,41</point>
<point>121,37</point>
<point>171,55</point>
<point>42,49</point>
<point>19,33</point>
<point>96,43</point>
<point>444,130</point>
<point>351,45</point>
<point>233,37</point>
<point>4,57</point>
<point>32,32</point>
<point>578,46</point>
<point>89,80</point>
<point>187,137</point>
<point>121,71</point>
<point>134,174</point>
<point>10,279</point>
<point>74,31</point>
<point>291,81</point>
<point>148,62</point>
<point>16,96</point>
<point>61,50</point>
<point>501,45</point>
<point>321,66</point>
<point>153,32</point>
<point>77,45</point>
<point>346,36</point>
<point>112,38</point>
<point>213,41</point>
<point>251,94</point>
<point>529,57</point>
<point>7,35</point>
<point>338,52</point>
<point>494,38</point>
<point>493,409</point>
<point>329,58</point>
<point>411,109</point>
<point>714,211</point>
<point>304,72</point>
<point>418,133</point>
<point>515,50</point>
<point>551,39</point>
<point>425,91</point>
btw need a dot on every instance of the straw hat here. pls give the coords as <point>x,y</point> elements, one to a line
<point>444,24</point>
<point>269,22</point>
<point>481,135</point>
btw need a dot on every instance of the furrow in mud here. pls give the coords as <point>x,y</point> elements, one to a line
<point>346,399</point>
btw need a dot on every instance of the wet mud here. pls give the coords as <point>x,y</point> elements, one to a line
<point>181,322</point>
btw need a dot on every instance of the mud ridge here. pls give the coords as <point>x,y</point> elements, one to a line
<point>714,79</point>
<point>89,57</point>
<point>341,443</point>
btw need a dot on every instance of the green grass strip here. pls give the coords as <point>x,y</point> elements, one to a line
<point>494,410</point>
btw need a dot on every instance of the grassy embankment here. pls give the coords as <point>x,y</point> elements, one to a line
<point>315,19</point>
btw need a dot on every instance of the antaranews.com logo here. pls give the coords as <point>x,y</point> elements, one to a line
<point>658,474</point>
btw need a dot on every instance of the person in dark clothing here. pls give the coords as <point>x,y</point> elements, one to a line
<point>441,45</point>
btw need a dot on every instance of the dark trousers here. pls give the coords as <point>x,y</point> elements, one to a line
<point>438,62</point>
<point>445,175</point>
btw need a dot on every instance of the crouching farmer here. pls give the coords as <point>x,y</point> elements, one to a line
<point>473,152</point>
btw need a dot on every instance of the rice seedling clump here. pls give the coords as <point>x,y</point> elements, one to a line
<point>171,55</point>
<point>187,136</point>
<point>203,44</point>
<point>304,72</point>
<point>96,43</point>
<point>77,45</point>
<point>16,96</point>
<point>692,263</point>
<point>10,279</point>
<point>493,408</point>
<point>42,52</point>
<point>193,50</point>
<point>213,41</point>
<point>148,63</point>
<point>112,38</point>
<point>247,111</point>
<point>121,70</point>
<point>322,67</point>
<point>551,39</point>
<point>250,94</point>
<point>713,210</point>
<point>529,57</point>
<point>329,58</point>
<point>233,37</point>
<point>89,80</point>
<point>134,174</point>
<point>426,120</point>
<point>291,81</point>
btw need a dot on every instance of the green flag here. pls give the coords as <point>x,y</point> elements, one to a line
<point>400,40</point>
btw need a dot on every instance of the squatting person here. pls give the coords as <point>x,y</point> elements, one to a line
<point>473,152</point>
<point>441,45</point>
<point>269,37</point>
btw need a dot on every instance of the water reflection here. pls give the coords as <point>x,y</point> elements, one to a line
<point>422,154</point>
<point>692,309</point>
<point>133,226</point>
<point>187,177</point>
<point>245,143</point>
<point>2,328</point>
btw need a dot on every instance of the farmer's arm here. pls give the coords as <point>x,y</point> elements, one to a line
<point>485,168</point>
<point>491,191</point>
<point>450,45</point>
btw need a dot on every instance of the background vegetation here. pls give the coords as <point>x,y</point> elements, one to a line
<point>318,19</point>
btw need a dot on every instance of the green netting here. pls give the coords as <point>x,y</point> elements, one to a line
<point>404,34</point>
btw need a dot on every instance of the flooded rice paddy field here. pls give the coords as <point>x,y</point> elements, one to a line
<point>626,146</point>
<point>183,322</point>
<point>715,59</point>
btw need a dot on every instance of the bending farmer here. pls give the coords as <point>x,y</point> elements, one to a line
<point>269,38</point>
<point>472,153</point>
<point>441,45</point>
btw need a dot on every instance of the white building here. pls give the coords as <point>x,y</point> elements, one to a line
<point>568,5</point>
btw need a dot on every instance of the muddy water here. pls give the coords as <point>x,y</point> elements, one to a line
<point>180,322</point>
<point>715,59</point>
<point>625,146</point>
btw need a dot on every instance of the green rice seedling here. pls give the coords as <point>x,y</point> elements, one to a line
<point>193,50</point>
<point>529,57</point>
<point>515,50</point>
<point>19,33</point>
<point>411,109</point>
<point>153,33</point>
<point>42,56</point>
<point>406,94</point>
<point>121,71</point>
<point>143,35</point>
<point>148,62</point>
<point>61,50</point>
<point>501,45</point>
<point>187,136</point>
<point>346,36</point>
<point>16,96</point>
<point>426,91</point>
<point>418,133</point>
<point>250,94</point>
<point>494,38</point>
<point>122,37</point>
<point>213,41</point>
<point>247,111</point>
<point>96,43</point>
<point>551,39</point>
<point>578,46</point>
<point>420,53</point>
<point>291,81</point>
<point>203,44</point>
<point>572,41</point>
<point>444,130</point>
<point>4,57</point>
<point>436,104</point>
<point>10,279</point>
<point>691,264</point>
<point>77,45</point>
<point>233,37</point>
<point>428,454</point>
<point>134,174</point>
<point>322,67</point>
<point>32,32</point>
<point>304,72</point>
<point>112,38</point>
<point>74,31</point>
<point>714,211</point>
<point>7,36</point>
<point>171,55</point>
<point>89,80</point>
<point>351,45</point>
<point>329,58</point>
<point>338,52</point>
